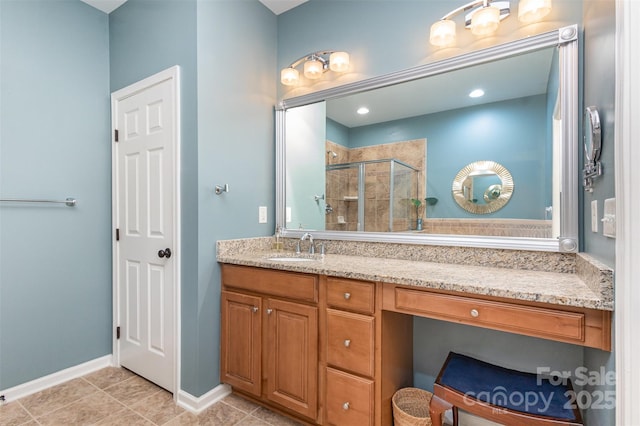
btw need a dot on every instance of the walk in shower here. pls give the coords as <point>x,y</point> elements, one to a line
<point>373,196</point>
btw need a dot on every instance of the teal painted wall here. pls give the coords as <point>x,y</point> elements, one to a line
<point>599,90</point>
<point>147,37</point>
<point>507,132</point>
<point>227,137</point>
<point>235,145</point>
<point>55,261</point>
<point>337,133</point>
<point>387,36</point>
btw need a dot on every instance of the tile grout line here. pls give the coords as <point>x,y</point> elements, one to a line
<point>33,418</point>
<point>125,406</point>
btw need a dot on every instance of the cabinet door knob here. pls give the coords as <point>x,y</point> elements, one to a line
<point>254,309</point>
<point>347,343</point>
<point>474,313</point>
<point>347,296</point>
<point>269,311</point>
<point>345,406</point>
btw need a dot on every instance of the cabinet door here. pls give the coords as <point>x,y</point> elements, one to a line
<point>241,341</point>
<point>292,356</point>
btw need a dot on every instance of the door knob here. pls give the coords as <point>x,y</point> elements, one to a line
<point>165,253</point>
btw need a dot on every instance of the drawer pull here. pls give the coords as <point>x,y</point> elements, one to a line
<point>269,311</point>
<point>254,309</point>
<point>474,313</point>
<point>347,296</point>
<point>346,406</point>
<point>347,343</point>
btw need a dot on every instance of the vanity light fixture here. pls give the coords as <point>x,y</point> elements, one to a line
<point>315,65</point>
<point>533,10</point>
<point>484,18</point>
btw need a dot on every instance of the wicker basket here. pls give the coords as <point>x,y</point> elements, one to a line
<point>411,407</point>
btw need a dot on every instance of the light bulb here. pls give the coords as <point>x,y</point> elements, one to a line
<point>530,11</point>
<point>339,61</point>
<point>443,33</point>
<point>313,69</point>
<point>289,76</point>
<point>485,21</point>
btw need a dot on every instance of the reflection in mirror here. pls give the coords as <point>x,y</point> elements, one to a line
<point>428,128</point>
<point>347,174</point>
<point>483,187</point>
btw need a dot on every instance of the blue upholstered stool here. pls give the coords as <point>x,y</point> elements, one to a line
<point>502,395</point>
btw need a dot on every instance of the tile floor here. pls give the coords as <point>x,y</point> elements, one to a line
<point>115,396</point>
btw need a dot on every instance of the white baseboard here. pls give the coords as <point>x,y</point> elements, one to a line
<point>198,404</point>
<point>42,383</point>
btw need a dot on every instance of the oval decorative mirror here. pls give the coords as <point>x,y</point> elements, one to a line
<point>482,187</point>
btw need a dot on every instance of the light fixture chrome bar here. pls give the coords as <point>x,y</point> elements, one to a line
<point>504,6</point>
<point>464,8</point>
<point>70,202</point>
<point>318,56</point>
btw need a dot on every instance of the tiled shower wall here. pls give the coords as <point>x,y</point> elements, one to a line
<point>342,186</point>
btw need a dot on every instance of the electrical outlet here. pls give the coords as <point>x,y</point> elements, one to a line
<point>288,214</point>
<point>262,214</point>
<point>594,216</point>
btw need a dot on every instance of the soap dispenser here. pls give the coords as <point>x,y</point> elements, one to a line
<point>277,239</point>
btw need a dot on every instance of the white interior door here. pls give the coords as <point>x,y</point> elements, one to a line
<point>145,210</point>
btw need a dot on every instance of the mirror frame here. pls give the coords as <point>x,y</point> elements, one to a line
<point>566,39</point>
<point>506,187</point>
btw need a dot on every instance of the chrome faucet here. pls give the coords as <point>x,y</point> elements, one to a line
<point>306,236</point>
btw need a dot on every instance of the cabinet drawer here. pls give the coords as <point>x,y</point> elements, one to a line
<point>530,320</point>
<point>349,399</point>
<point>350,341</point>
<point>290,285</point>
<point>351,295</point>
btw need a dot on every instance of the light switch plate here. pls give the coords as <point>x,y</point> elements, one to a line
<point>609,218</point>
<point>594,216</point>
<point>262,214</point>
<point>288,214</point>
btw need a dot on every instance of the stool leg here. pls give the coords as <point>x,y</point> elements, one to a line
<point>437,407</point>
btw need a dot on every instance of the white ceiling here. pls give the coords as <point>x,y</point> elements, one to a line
<point>281,6</point>
<point>276,6</point>
<point>511,78</point>
<point>107,6</point>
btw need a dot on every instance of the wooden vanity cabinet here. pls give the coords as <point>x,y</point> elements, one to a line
<point>269,336</point>
<point>350,343</point>
<point>359,335</point>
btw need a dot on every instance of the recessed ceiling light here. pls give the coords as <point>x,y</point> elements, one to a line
<point>476,93</point>
<point>363,110</point>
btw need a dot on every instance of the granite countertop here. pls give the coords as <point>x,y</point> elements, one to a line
<point>560,288</point>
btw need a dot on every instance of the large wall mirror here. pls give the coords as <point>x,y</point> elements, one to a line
<point>387,175</point>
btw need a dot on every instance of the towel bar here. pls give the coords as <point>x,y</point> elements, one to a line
<point>69,201</point>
